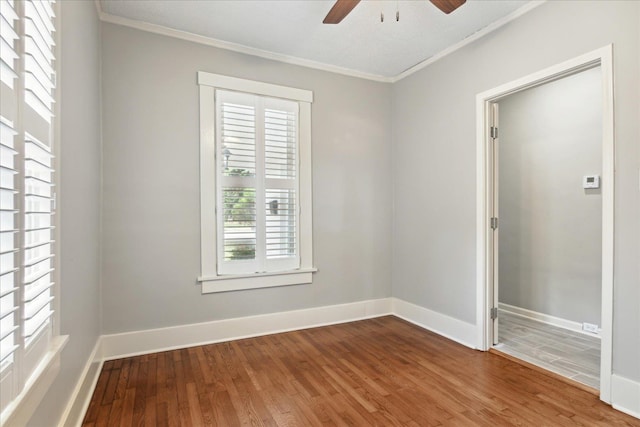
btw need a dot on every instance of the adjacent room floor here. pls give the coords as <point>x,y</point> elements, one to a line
<point>568,353</point>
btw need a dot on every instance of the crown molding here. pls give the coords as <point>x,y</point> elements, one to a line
<point>196,38</point>
<point>235,47</point>
<point>470,39</point>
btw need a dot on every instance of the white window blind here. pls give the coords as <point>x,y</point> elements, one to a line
<point>27,60</point>
<point>256,148</point>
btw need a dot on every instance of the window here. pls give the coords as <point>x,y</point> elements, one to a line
<point>255,168</point>
<point>27,291</point>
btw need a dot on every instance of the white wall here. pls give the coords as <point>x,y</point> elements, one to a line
<point>434,157</point>
<point>79,202</point>
<point>151,234</point>
<point>550,258</point>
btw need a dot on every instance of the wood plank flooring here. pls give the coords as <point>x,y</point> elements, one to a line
<point>567,353</point>
<point>377,372</point>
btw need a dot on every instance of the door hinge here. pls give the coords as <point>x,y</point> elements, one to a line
<point>494,223</point>
<point>494,132</point>
<point>494,313</point>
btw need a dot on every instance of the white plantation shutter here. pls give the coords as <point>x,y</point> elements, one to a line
<point>9,221</point>
<point>8,245</point>
<point>256,151</point>
<point>38,226</point>
<point>27,74</point>
<point>8,36</point>
<point>38,57</point>
<point>238,135</point>
<point>237,150</point>
<point>281,184</point>
<point>281,224</point>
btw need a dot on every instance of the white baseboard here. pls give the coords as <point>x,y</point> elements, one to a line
<point>449,327</point>
<point>116,346</point>
<point>546,318</point>
<point>83,391</point>
<point>625,395</point>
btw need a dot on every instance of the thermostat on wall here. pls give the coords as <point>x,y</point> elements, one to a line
<point>591,181</point>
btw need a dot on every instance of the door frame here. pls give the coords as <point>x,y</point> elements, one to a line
<point>603,58</point>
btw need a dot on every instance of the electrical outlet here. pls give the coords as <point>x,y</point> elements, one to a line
<point>590,327</point>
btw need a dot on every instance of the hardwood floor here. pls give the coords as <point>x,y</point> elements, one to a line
<point>567,353</point>
<point>382,371</point>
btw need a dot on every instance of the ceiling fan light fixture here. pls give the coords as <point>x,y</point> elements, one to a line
<point>341,8</point>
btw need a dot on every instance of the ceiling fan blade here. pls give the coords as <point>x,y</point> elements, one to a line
<point>339,11</point>
<point>448,6</point>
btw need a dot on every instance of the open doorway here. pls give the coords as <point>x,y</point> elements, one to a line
<point>545,219</point>
<point>548,200</point>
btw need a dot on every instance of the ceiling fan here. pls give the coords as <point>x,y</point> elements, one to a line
<point>342,8</point>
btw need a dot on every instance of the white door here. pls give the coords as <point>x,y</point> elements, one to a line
<point>493,222</point>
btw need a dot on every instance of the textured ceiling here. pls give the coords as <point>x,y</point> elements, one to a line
<point>294,27</point>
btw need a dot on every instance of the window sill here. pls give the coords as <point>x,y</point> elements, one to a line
<point>21,409</point>
<point>256,281</point>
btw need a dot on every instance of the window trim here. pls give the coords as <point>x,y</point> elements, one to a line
<point>48,343</point>
<point>209,278</point>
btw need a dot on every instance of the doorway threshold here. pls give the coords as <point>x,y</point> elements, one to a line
<point>496,350</point>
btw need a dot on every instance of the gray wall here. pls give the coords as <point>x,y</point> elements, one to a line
<point>434,163</point>
<point>550,258</point>
<point>79,201</point>
<point>151,230</point>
